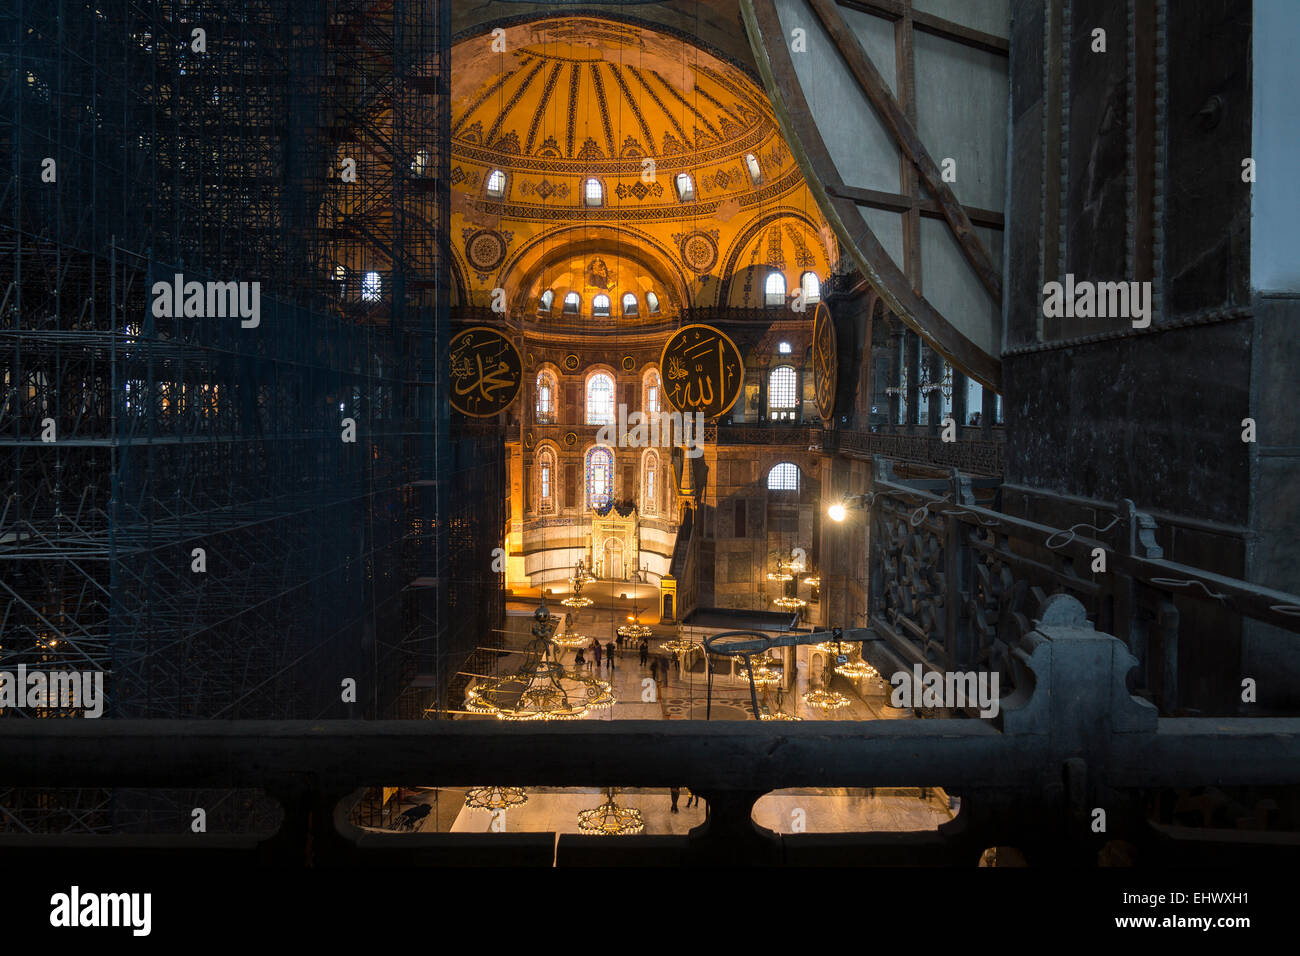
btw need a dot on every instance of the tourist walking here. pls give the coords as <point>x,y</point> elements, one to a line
<point>609,653</point>
<point>675,792</point>
<point>645,652</point>
<point>595,652</point>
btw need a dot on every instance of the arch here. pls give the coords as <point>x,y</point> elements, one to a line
<point>774,289</point>
<point>572,303</point>
<point>593,192</point>
<point>547,484</point>
<point>600,306</point>
<point>651,481</point>
<point>546,405</point>
<point>546,302</point>
<point>783,476</point>
<point>685,186</point>
<point>630,307</point>
<point>495,184</point>
<point>598,391</point>
<point>811,287</point>
<point>652,395</point>
<point>598,467</point>
<point>652,303</point>
<point>755,170</point>
<point>782,392</point>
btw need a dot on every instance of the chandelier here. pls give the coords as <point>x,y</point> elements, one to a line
<point>495,798</point>
<point>609,819</point>
<point>825,699</point>
<point>571,639</point>
<point>838,647</point>
<point>856,670</point>
<point>778,715</point>
<point>541,689</point>
<point>789,603</point>
<point>580,577</point>
<point>813,581</point>
<point>635,630</point>
<point>677,646</point>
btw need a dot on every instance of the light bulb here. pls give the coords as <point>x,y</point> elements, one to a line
<point>836,512</point>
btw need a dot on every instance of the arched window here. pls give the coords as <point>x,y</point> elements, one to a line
<point>420,163</point>
<point>650,403</point>
<point>629,304</point>
<point>652,303</point>
<point>600,400</point>
<point>572,301</point>
<point>784,348</point>
<point>547,300</point>
<point>600,477</point>
<point>650,483</point>
<point>600,306</point>
<point>341,279</point>
<point>546,392</point>
<point>781,392</point>
<point>774,289</point>
<point>812,287</point>
<point>546,481</point>
<point>592,193</point>
<point>496,184</point>
<point>371,287</point>
<point>755,172</point>
<point>783,477</point>
<point>685,188</point>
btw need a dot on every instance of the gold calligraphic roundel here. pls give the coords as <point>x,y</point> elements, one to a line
<point>702,371</point>
<point>486,372</point>
<point>826,362</point>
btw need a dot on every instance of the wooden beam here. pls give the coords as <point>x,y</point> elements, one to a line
<point>897,202</point>
<point>935,26</point>
<point>894,117</point>
<point>822,177</point>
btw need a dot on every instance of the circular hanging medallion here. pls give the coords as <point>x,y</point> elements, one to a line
<point>485,249</point>
<point>629,363</point>
<point>570,362</point>
<point>571,439</point>
<point>826,362</point>
<point>699,252</point>
<point>702,370</point>
<point>486,372</point>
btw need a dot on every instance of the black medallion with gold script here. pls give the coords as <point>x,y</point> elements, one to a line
<point>826,362</point>
<point>702,370</point>
<point>486,372</point>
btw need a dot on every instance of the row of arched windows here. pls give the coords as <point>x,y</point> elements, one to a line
<point>599,406</point>
<point>600,305</point>
<point>773,297</point>
<point>599,480</point>
<point>593,191</point>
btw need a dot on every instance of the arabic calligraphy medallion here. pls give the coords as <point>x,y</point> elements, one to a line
<point>486,372</point>
<point>702,370</point>
<point>826,361</point>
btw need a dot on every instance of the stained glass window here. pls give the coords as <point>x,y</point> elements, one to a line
<point>600,477</point>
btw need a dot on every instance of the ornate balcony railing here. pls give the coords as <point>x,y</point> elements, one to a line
<point>954,583</point>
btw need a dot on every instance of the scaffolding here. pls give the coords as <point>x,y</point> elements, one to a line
<point>180,506</point>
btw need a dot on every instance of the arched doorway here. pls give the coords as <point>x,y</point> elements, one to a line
<point>614,559</point>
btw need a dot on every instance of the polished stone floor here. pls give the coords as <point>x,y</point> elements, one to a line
<point>685,696</point>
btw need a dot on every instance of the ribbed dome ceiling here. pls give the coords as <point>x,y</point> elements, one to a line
<point>602,94</point>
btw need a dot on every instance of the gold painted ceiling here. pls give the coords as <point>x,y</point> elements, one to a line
<point>578,98</point>
<point>561,101</point>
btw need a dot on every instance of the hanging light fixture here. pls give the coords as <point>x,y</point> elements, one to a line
<point>856,670</point>
<point>778,715</point>
<point>789,603</point>
<point>541,689</point>
<point>610,819</point>
<point>493,799</point>
<point>825,699</point>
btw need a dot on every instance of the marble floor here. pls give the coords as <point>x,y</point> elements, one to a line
<point>685,696</point>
